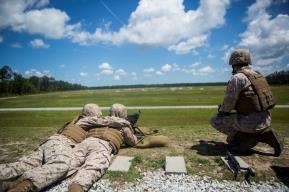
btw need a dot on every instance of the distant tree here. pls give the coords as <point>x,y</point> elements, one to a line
<point>278,78</point>
<point>6,73</point>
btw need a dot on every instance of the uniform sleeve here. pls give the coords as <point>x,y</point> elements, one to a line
<point>233,90</point>
<point>129,138</point>
<point>115,122</point>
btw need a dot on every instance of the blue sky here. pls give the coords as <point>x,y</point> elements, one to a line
<point>109,42</point>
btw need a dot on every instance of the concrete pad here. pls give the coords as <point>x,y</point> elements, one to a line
<point>175,165</point>
<point>121,163</point>
<point>241,162</point>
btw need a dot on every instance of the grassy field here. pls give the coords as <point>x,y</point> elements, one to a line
<point>188,129</point>
<point>207,95</point>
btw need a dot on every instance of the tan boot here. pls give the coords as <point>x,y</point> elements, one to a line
<point>271,137</point>
<point>74,187</point>
<point>23,186</point>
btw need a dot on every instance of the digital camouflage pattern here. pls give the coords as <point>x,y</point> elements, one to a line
<point>229,123</point>
<point>45,165</point>
<point>91,110</point>
<point>92,159</point>
<point>118,110</point>
<point>93,155</point>
<point>52,159</point>
<point>240,57</point>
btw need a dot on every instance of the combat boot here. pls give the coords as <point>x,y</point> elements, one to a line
<point>271,137</point>
<point>74,187</point>
<point>24,186</point>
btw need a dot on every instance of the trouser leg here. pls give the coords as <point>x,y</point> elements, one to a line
<point>13,170</point>
<point>57,158</point>
<point>224,124</point>
<point>97,162</point>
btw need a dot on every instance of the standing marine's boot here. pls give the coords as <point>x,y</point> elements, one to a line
<point>271,137</point>
<point>23,186</point>
<point>74,187</point>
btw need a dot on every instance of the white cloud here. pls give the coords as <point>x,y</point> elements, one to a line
<point>151,24</point>
<point>105,69</point>
<point>206,69</point>
<point>1,39</point>
<point>166,68</point>
<point>119,73</point>
<point>83,74</point>
<point>25,16</point>
<point>16,45</point>
<point>159,72</point>
<point>189,45</point>
<point>38,43</point>
<point>62,66</point>
<point>34,72</point>
<point>105,66</point>
<point>267,37</point>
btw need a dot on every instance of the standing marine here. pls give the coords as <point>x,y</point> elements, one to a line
<point>244,115</point>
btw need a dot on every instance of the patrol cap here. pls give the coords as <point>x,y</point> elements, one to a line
<point>118,110</point>
<point>240,57</point>
<point>91,109</point>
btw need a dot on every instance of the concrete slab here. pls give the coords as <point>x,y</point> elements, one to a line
<point>121,163</point>
<point>175,164</point>
<point>240,161</point>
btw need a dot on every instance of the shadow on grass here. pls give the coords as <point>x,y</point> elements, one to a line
<point>216,148</point>
<point>282,173</point>
<point>211,148</point>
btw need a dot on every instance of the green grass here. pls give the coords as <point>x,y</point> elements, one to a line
<point>207,95</point>
<point>189,130</point>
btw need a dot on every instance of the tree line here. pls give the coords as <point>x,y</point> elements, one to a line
<point>278,78</point>
<point>12,83</point>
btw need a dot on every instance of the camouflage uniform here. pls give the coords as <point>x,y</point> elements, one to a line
<point>52,159</point>
<point>93,155</point>
<point>229,123</point>
<point>44,166</point>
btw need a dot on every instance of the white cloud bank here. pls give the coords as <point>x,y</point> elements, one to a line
<point>153,23</point>
<point>266,36</point>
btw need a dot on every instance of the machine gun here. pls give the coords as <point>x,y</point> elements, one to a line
<point>133,122</point>
<point>236,167</point>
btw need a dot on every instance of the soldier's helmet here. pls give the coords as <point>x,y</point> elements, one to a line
<point>118,110</point>
<point>240,57</point>
<point>91,109</point>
